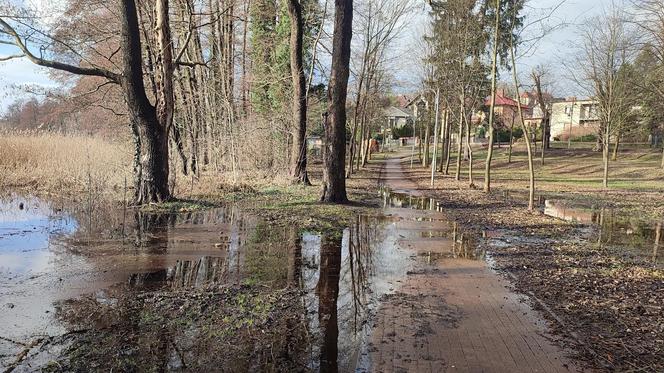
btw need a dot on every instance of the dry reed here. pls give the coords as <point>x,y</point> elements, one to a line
<point>64,164</point>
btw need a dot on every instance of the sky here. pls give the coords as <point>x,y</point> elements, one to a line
<point>550,51</point>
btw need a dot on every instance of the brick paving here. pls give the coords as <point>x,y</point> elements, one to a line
<point>455,314</point>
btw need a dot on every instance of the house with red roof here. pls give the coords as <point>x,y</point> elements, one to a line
<point>506,110</point>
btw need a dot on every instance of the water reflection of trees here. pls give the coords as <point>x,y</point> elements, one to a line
<point>327,290</point>
<point>337,273</point>
<point>631,233</point>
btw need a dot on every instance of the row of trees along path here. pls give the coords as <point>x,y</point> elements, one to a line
<point>151,123</point>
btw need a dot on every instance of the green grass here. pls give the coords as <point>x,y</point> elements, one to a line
<point>636,169</point>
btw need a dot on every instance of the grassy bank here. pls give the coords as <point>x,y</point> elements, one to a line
<point>87,169</point>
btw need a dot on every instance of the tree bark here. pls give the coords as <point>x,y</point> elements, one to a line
<point>151,124</point>
<point>605,152</point>
<point>443,140</point>
<point>509,154</point>
<point>299,150</point>
<point>526,134</point>
<point>457,176</point>
<point>494,67</point>
<point>334,181</point>
<point>471,184</point>
<point>448,145</point>
<point>614,156</point>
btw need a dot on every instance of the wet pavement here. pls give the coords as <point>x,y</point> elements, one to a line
<point>453,312</point>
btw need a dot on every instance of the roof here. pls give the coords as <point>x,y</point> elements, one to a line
<point>404,100</point>
<point>502,101</point>
<point>392,111</point>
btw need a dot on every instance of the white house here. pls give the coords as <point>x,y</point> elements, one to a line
<point>574,118</point>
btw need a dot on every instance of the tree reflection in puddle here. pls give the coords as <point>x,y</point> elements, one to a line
<point>340,276</point>
<point>187,284</point>
<point>624,231</point>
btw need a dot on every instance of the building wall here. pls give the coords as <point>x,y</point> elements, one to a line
<point>580,115</point>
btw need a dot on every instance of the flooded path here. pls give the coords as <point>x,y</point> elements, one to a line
<point>83,291</point>
<point>404,289</point>
<point>453,313</point>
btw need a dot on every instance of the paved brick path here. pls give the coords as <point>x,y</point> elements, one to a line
<point>455,314</point>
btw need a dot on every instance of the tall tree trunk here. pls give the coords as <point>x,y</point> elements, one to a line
<point>425,159</point>
<point>509,154</point>
<point>151,124</point>
<point>494,68</point>
<point>526,133</point>
<point>614,156</point>
<point>471,184</point>
<point>448,145</point>
<point>443,140</point>
<point>353,138</point>
<point>605,152</point>
<point>457,176</point>
<point>243,76</point>
<point>334,158</point>
<point>299,150</point>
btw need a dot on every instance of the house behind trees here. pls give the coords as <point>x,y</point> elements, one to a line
<point>574,117</point>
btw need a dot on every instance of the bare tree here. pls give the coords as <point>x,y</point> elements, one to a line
<point>526,132</point>
<point>649,18</point>
<point>150,123</point>
<point>538,75</point>
<point>334,181</point>
<point>494,73</point>
<point>603,64</point>
<point>378,24</point>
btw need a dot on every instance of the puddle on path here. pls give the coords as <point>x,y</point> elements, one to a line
<point>56,258</point>
<point>53,255</point>
<point>615,228</point>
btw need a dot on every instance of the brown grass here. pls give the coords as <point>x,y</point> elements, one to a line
<point>64,164</point>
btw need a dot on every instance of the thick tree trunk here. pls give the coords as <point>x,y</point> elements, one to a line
<point>334,181</point>
<point>150,125</point>
<point>299,150</point>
